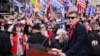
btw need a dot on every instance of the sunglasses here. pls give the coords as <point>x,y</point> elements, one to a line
<point>71,17</point>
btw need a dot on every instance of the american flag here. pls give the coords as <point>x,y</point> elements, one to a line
<point>61,2</point>
<point>48,13</point>
<point>81,5</point>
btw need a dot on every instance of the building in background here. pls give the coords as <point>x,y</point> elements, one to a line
<point>94,2</point>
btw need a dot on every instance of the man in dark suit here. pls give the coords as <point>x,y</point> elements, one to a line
<point>37,37</point>
<point>77,45</point>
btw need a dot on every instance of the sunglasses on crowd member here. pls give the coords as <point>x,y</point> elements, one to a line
<point>71,17</point>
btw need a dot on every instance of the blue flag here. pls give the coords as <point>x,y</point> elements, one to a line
<point>68,4</point>
<point>91,10</point>
<point>60,5</point>
<point>17,3</point>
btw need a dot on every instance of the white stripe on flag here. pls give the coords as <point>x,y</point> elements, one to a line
<point>81,5</point>
<point>61,2</point>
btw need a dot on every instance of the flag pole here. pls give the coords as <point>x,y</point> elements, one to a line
<point>86,8</point>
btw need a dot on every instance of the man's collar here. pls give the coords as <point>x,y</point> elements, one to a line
<point>74,26</point>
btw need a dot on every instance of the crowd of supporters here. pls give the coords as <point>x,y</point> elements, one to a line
<point>17,30</point>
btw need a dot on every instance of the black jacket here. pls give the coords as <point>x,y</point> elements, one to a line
<point>95,49</point>
<point>77,45</point>
<point>5,42</point>
<point>38,38</point>
<point>60,45</point>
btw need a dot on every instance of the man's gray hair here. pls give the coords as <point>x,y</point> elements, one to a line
<point>75,12</point>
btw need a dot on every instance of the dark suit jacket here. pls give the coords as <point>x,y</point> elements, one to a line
<point>77,45</point>
<point>5,44</point>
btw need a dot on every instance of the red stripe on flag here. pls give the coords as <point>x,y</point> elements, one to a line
<point>81,5</point>
<point>61,2</point>
<point>48,13</point>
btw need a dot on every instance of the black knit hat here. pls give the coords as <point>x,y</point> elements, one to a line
<point>36,26</point>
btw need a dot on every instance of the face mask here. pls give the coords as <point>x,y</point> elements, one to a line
<point>58,21</point>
